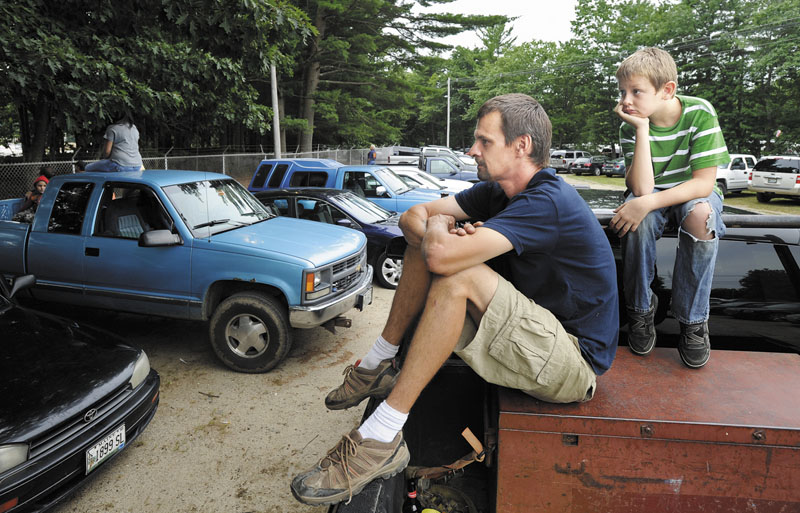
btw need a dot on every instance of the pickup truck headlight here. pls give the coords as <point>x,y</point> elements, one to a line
<point>140,370</point>
<point>316,284</point>
<point>12,455</point>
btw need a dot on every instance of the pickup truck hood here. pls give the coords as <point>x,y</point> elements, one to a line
<point>315,242</point>
<point>421,195</point>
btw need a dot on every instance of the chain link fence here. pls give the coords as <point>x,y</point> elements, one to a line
<point>17,178</point>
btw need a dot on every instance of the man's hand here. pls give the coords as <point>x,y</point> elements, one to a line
<point>634,121</point>
<point>630,214</point>
<point>465,228</point>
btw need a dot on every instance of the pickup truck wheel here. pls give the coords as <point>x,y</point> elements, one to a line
<point>722,187</point>
<point>388,271</point>
<point>250,332</point>
<point>763,197</point>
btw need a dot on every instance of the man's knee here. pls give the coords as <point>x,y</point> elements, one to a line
<point>476,284</point>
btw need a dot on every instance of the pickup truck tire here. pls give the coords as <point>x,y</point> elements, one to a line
<point>763,197</point>
<point>388,271</point>
<point>250,332</point>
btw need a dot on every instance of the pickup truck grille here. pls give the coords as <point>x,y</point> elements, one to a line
<point>345,282</point>
<point>344,265</point>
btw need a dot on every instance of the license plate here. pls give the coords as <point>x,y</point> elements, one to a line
<point>103,449</point>
<point>772,180</point>
<point>364,299</point>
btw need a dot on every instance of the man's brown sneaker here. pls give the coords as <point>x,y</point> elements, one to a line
<point>362,383</point>
<point>350,466</point>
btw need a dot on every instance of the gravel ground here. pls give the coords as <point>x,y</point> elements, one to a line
<point>222,441</point>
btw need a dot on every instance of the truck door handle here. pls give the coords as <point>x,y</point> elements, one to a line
<point>91,251</point>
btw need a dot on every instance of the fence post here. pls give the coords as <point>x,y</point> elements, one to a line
<point>223,159</point>
<point>72,158</point>
<point>166,166</point>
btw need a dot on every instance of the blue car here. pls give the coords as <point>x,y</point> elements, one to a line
<point>344,208</point>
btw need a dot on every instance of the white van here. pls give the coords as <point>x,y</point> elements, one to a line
<point>732,177</point>
<point>561,159</point>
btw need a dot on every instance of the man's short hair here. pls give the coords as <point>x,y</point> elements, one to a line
<point>655,64</point>
<point>522,115</point>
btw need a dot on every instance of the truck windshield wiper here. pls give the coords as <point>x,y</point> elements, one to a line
<point>210,223</point>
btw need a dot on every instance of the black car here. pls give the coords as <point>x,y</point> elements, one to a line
<point>343,208</point>
<point>71,398</point>
<point>588,165</point>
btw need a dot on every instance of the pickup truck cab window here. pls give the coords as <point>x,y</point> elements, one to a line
<point>69,208</point>
<point>307,179</point>
<point>213,206</point>
<point>260,178</point>
<point>442,167</point>
<point>277,177</point>
<point>127,211</point>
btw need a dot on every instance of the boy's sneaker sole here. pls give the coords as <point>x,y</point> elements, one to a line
<point>344,489</point>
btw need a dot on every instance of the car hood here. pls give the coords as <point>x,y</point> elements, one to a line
<point>314,242</point>
<point>53,369</point>
<point>422,194</point>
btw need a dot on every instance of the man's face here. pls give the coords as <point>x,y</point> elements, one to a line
<point>493,156</point>
<point>638,97</point>
<point>40,187</point>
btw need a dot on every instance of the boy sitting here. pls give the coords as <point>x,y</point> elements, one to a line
<point>672,146</point>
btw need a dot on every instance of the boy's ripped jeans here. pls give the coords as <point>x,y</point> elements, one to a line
<point>694,262</point>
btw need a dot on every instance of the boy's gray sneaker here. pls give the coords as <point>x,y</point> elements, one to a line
<point>642,329</point>
<point>362,383</point>
<point>347,468</point>
<point>694,344</point>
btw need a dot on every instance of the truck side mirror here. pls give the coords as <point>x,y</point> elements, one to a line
<point>380,192</point>
<point>159,238</point>
<point>21,283</point>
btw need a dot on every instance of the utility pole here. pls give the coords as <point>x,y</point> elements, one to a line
<point>448,113</point>
<point>276,119</point>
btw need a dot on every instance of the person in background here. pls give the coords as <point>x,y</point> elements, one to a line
<point>31,200</point>
<point>372,156</point>
<point>121,147</point>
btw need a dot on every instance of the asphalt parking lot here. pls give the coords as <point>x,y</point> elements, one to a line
<point>222,441</point>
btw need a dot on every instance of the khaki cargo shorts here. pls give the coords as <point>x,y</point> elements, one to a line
<point>521,345</point>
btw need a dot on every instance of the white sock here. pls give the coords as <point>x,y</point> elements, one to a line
<point>380,350</point>
<point>384,423</point>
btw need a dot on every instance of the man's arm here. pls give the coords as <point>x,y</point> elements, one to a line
<point>414,220</point>
<point>447,251</point>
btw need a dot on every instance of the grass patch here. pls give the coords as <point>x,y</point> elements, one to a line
<point>747,199</point>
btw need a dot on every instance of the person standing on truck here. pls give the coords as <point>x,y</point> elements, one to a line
<point>121,147</point>
<point>372,156</point>
<point>526,295</point>
<point>672,145</point>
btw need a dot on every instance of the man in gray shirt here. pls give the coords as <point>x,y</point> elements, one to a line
<point>121,149</point>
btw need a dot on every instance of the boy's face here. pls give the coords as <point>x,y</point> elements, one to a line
<point>639,97</point>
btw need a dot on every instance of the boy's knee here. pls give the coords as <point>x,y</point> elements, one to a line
<point>698,222</point>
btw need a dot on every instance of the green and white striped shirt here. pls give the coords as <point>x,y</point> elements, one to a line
<point>694,142</point>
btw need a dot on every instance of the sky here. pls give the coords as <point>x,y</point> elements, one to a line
<point>544,20</point>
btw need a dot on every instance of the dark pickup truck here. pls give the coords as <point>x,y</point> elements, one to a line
<point>657,436</point>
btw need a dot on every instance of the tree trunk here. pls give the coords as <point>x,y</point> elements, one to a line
<point>38,135</point>
<point>311,84</point>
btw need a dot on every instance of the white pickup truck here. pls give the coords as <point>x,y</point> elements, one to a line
<point>732,177</point>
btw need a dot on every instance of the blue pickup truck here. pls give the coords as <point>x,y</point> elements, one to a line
<point>378,184</point>
<point>188,245</point>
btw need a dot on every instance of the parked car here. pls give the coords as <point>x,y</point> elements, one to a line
<point>344,208</point>
<point>467,164</point>
<point>561,159</point>
<point>588,165</point>
<point>732,177</point>
<point>71,399</point>
<point>776,177</point>
<point>425,180</point>
<point>615,167</point>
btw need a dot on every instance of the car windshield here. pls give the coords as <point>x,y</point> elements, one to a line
<point>466,159</point>
<point>779,165</point>
<point>363,210</point>
<point>410,181</point>
<point>213,206</point>
<point>394,182</point>
<point>429,182</point>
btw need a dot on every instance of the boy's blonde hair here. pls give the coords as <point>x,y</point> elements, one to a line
<point>655,64</point>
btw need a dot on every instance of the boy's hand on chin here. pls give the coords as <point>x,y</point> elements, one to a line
<point>635,121</point>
